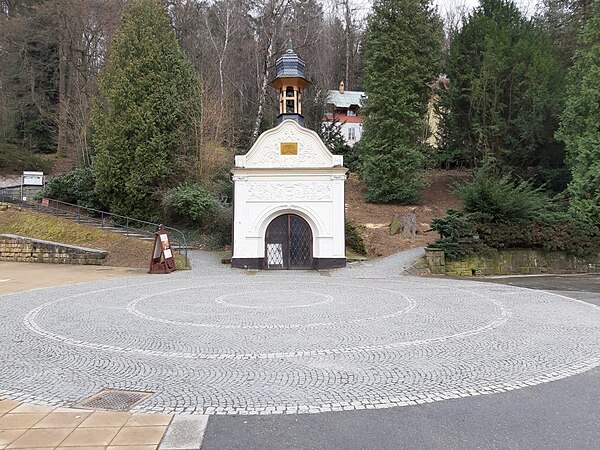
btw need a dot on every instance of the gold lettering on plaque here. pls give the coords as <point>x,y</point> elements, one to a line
<point>289,148</point>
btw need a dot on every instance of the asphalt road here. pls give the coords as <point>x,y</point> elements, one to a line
<point>563,414</point>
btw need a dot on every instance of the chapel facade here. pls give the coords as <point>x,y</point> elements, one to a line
<point>289,189</point>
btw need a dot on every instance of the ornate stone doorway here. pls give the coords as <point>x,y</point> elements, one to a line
<point>289,243</point>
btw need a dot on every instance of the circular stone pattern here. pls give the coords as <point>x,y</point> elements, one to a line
<point>288,344</point>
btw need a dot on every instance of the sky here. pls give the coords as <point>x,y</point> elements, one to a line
<point>528,7</point>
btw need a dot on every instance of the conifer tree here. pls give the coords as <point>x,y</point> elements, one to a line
<point>402,48</point>
<point>505,93</point>
<point>148,98</point>
<point>580,128</point>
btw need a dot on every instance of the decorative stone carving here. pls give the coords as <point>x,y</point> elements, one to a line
<point>266,153</point>
<point>268,192</point>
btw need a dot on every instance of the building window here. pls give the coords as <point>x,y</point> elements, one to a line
<point>289,91</point>
<point>351,113</point>
<point>351,134</point>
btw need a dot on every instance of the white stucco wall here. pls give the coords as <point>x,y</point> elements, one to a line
<point>345,127</point>
<point>309,184</point>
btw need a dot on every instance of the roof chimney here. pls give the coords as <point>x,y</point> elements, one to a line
<point>342,87</point>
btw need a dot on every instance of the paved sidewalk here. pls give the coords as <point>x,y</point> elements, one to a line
<point>275,346</point>
<point>27,426</point>
<point>19,276</point>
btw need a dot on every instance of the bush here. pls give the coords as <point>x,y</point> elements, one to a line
<point>77,187</point>
<point>219,227</point>
<point>501,213</point>
<point>458,236</point>
<point>502,199</point>
<point>354,240</point>
<point>189,204</point>
<point>332,137</point>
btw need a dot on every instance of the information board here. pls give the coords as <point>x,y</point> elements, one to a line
<point>162,256</point>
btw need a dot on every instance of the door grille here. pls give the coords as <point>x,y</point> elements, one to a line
<point>288,243</point>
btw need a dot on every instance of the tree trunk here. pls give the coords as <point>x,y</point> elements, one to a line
<point>349,45</point>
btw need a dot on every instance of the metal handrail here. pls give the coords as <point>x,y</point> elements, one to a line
<point>5,193</point>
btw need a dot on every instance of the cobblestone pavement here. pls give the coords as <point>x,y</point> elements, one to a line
<point>220,341</point>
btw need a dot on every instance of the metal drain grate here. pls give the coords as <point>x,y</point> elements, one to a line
<point>113,400</point>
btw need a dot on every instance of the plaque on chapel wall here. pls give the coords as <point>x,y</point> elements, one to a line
<point>289,148</point>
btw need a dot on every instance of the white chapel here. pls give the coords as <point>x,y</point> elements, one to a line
<point>288,204</point>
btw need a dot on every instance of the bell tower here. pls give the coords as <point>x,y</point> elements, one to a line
<point>290,81</point>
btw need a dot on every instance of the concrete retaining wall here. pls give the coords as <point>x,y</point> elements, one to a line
<point>25,249</point>
<point>511,262</point>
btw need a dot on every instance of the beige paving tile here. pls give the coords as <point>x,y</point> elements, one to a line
<point>9,436</point>
<point>16,421</point>
<point>141,420</point>
<point>106,419</point>
<point>62,420</point>
<point>41,438</point>
<point>72,410</point>
<point>7,405</point>
<point>103,447</point>
<point>90,437</point>
<point>29,408</point>
<point>37,448</point>
<point>139,435</point>
<point>131,447</point>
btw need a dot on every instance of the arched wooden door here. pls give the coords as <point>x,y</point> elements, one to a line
<point>289,243</point>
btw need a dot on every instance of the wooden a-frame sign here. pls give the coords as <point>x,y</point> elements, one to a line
<point>162,256</point>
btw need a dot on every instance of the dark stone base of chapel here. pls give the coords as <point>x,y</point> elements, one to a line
<point>260,263</point>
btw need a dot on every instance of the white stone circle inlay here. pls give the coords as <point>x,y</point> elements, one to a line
<point>234,346</point>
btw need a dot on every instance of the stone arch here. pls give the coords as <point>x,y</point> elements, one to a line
<point>262,222</point>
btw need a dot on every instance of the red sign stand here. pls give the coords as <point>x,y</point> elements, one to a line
<point>162,257</point>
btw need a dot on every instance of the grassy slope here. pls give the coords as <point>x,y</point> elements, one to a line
<point>123,251</point>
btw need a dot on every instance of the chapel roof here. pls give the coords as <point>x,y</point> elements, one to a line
<point>289,65</point>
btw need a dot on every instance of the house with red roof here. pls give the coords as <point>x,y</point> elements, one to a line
<point>344,108</point>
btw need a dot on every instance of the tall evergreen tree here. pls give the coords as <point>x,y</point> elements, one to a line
<point>402,49</point>
<point>505,92</point>
<point>147,103</point>
<point>580,128</point>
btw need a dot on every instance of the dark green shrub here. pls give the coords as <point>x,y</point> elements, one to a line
<point>354,240</point>
<point>77,187</point>
<point>502,199</point>
<point>219,226</point>
<point>458,236</point>
<point>331,135</point>
<point>189,204</point>
<point>501,213</point>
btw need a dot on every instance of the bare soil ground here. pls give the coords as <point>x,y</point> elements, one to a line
<point>373,220</point>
